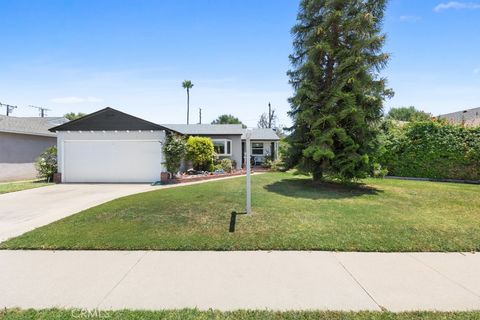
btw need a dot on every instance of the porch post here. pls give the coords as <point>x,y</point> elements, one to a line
<point>249,181</point>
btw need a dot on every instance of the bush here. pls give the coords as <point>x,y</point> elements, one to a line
<point>432,150</point>
<point>46,164</point>
<point>200,151</point>
<point>174,150</point>
<point>267,163</point>
<point>226,165</point>
<point>379,171</point>
<point>273,165</point>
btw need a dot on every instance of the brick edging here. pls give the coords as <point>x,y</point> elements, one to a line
<point>205,177</point>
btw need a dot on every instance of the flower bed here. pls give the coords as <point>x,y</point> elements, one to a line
<point>210,175</point>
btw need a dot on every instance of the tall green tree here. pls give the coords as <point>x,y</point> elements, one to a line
<point>228,119</point>
<point>408,114</point>
<point>73,116</point>
<point>339,94</point>
<point>187,84</point>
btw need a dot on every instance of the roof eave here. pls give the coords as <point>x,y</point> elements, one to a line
<point>30,133</point>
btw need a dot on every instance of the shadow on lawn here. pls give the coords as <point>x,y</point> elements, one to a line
<point>301,188</point>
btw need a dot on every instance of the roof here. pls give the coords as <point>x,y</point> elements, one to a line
<point>108,119</point>
<point>30,125</point>
<point>207,129</point>
<point>223,129</point>
<point>469,117</point>
<point>262,134</point>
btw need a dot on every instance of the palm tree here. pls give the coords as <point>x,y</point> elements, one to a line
<point>187,84</point>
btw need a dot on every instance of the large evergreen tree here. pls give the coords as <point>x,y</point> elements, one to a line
<point>339,95</point>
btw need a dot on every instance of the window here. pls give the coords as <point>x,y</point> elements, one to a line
<point>222,147</point>
<point>257,148</point>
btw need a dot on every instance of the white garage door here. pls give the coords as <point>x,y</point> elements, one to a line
<point>111,161</point>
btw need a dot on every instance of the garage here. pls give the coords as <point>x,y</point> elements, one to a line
<point>110,146</point>
<point>112,161</point>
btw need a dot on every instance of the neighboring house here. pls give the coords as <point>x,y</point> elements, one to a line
<point>22,140</point>
<point>112,146</point>
<point>468,118</point>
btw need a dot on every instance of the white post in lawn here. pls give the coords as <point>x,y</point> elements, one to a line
<point>249,181</point>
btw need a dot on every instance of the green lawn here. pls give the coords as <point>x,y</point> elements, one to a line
<point>6,187</point>
<point>190,314</point>
<point>290,213</point>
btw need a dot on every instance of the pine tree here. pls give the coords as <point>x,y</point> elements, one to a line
<point>339,94</point>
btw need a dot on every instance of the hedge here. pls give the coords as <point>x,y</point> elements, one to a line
<point>432,150</point>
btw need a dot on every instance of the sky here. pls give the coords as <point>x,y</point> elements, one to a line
<point>84,55</point>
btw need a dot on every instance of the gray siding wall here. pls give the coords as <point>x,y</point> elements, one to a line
<point>18,153</point>
<point>236,147</point>
<point>23,148</point>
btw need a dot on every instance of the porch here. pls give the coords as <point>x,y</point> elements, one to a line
<point>260,151</point>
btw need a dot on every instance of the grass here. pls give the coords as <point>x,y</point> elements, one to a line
<point>6,187</point>
<point>290,213</point>
<point>186,314</point>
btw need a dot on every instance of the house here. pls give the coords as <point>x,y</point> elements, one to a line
<point>229,140</point>
<point>22,140</point>
<point>468,118</point>
<point>112,146</point>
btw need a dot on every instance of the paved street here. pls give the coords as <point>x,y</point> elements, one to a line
<point>279,280</point>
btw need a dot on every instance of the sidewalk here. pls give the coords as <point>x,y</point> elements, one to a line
<point>279,280</point>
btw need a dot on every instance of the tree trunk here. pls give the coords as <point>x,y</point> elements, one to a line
<point>317,175</point>
<point>188,106</point>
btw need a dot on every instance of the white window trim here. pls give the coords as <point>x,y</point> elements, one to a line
<point>224,146</point>
<point>257,154</point>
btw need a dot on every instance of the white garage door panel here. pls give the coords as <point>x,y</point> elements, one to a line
<point>112,161</point>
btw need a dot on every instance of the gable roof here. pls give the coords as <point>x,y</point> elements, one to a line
<point>30,125</point>
<point>262,134</point>
<point>207,129</point>
<point>108,119</point>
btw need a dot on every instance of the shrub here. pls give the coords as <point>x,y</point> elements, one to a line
<point>200,151</point>
<point>273,165</point>
<point>174,150</point>
<point>226,165</point>
<point>46,164</point>
<point>379,171</point>
<point>267,163</point>
<point>432,150</point>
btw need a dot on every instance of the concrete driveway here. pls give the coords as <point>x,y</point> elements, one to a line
<point>26,210</point>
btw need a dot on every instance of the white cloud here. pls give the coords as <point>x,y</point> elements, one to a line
<point>410,18</point>
<point>456,5</point>
<point>73,100</point>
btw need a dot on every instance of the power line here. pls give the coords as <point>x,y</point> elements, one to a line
<point>8,108</point>
<point>42,110</point>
